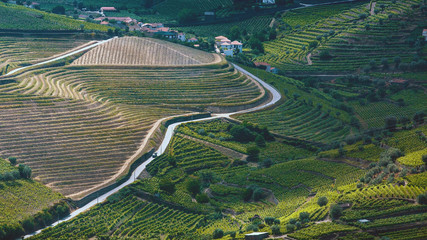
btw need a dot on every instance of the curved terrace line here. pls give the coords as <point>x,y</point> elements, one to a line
<point>275,97</point>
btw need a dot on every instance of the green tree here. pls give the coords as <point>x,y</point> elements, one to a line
<point>202,198</point>
<point>218,233</point>
<point>260,141</point>
<point>193,186</point>
<point>256,44</point>
<point>419,118</point>
<point>422,199</point>
<point>12,160</point>
<point>390,123</point>
<point>290,227</point>
<point>167,186</point>
<point>235,32</point>
<point>322,201</point>
<point>59,10</point>
<point>275,230</point>
<point>335,212</point>
<point>253,153</point>
<point>24,171</point>
<point>304,217</point>
<point>186,16</point>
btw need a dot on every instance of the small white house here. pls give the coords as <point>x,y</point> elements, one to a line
<point>425,34</point>
<point>181,37</point>
<point>238,46</point>
<point>228,52</point>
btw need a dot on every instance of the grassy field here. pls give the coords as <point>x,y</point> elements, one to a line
<point>17,17</point>
<point>144,51</point>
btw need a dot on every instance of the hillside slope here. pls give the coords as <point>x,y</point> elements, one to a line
<point>144,51</point>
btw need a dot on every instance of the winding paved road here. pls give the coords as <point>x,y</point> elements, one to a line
<point>275,97</point>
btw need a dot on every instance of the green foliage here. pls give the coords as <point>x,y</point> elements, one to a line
<point>22,18</point>
<point>12,160</point>
<point>275,229</point>
<point>167,186</point>
<point>202,198</point>
<point>335,211</point>
<point>322,201</point>
<point>194,186</point>
<point>422,199</point>
<point>186,15</point>
<point>218,233</point>
<point>253,153</point>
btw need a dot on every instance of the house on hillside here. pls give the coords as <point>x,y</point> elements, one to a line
<point>236,45</point>
<point>225,44</point>
<point>193,40</point>
<point>267,67</point>
<point>425,34</point>
<point>108,9</point>
<point>181,37</point>
<point>124,20</point>
<point>152,26</point>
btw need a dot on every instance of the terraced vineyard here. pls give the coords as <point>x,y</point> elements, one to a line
<point>171,8</point>
<point>333,34</point>
<point>126,218</point>
<point>287,119</point>
<point>144,51</point>
<point>79,127</point>
<point>20,199</point>
<point>251,26</point>
<point>70,145</point>
<point>18,50</point>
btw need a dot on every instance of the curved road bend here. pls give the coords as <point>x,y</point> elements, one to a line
<point>168,137</point>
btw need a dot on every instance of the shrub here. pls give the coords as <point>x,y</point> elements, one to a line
<point>322,201</point>
<point>258,194</point>
<point>242,134</point>
<point>304,217</point>
<point>167,186</point>
<point>292,221</point>
<point>252,228</point>
<point>335,212</point>
<point>290,227</point>
<point>218,233</point>
<point>260,141</point>
<point>202,198</point>
<point>253,153</point>
<point>422,199</point>
<point>247,194</point>
<point>24,171</point>
<point>325,55</point>
<point>201,131</point>
<point>275,230</point>
<point>269,220</point>
<point>193,186</point>
<point>12,160</point>
<point>313,44</point>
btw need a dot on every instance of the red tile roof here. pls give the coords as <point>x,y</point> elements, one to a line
<point>108,9</point>
<point>236,43</point>
<point>257,64</point>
